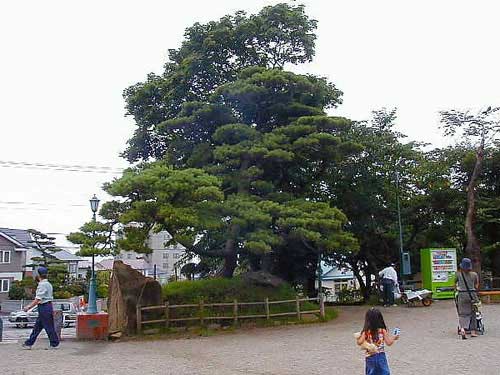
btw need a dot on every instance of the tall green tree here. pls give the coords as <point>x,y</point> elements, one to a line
<point>239,142</point>
<point>46,245</point>
<point>263,163</point>
<point>363,186</point>
<point>211,55</point>
<point>98,238</point>
<point>481,130</point>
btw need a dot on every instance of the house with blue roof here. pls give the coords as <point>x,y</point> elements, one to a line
<point>335,279</point>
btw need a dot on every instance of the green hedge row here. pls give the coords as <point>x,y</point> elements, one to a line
<point>223,290</point>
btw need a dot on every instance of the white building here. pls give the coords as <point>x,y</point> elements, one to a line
<point>165,261</point>
<point>334,280</point>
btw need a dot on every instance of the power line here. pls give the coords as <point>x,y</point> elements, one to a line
<point>60,167</point>
<point>38,204</point>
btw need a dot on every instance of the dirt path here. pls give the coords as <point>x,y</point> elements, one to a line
<point>428,345</point>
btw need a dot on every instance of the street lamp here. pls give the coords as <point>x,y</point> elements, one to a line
<point>92,306</point>
<point>405,265</point>
<point>94,205</point>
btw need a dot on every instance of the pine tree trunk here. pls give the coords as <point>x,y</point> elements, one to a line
<point>230,255</point>
<point>472,248</point>
<point>365,290</point>
<point>230,260</point>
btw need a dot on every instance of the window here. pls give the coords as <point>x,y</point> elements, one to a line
<point>4,285</point>
<point>165,255</point>
<point>177,256</point>
<point>165,266</point>
<point>72,268</point>
<point>5,256</point>
<point>129,256</point>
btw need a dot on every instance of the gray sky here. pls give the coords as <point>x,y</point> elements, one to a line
<point>65,64</point>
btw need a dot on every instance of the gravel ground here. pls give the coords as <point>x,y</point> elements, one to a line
<point>428,344</point>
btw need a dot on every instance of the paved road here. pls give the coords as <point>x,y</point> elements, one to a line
<point>428,346</point>
<point>12,334</point>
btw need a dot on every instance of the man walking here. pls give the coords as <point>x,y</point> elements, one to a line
<point>45,320</point>
<point>389,278</point>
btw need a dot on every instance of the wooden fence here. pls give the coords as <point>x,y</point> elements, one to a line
<point>167,309</point>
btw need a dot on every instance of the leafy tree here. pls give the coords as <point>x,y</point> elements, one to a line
<point>98,238</point>
<point>211,55</point>
<point>268,163</point>
<point>363,186</point>
<point>244,147</point>
<point>46,246</point>
<point>95,239</point>
<point>481,129</point>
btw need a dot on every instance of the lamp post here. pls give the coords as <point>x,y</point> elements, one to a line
<point>92,306</point>
<point>401,252</point>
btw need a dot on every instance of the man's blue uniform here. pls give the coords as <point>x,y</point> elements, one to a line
<point>45,320</point>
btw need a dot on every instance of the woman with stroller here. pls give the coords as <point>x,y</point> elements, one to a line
<point>467,285</point>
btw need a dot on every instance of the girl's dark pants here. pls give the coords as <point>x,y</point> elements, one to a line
<point>45,321</point>
<point>377,365</point>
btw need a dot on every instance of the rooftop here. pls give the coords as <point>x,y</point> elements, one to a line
<point>20,235</point>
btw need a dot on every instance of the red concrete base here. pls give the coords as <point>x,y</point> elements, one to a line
<point>92,326</point>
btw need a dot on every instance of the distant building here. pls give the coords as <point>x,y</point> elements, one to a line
<point>65,257</point>
<point>335,279</point>
<point>17,252</point>
<point>164,262</point>
<point>136,264</point>
<point>13,247</point>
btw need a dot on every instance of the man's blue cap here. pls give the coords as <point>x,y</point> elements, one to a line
<point>42,271</point>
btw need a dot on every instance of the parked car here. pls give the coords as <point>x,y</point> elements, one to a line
<point>22,318</point>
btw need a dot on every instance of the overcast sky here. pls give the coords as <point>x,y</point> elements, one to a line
<point>64,65</point>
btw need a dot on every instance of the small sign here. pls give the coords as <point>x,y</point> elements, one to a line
<point>406,261</point>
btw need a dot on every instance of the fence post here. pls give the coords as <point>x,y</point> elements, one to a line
<point>139,319</point>
<point>297,305</point>
<point>167,315</point>
<point>235,311</point>
<point>267,309</point>
<point>321,305</point>
<point>202,308</point>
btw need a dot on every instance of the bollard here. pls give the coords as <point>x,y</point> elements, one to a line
<point>58,322</point>
<point>1,329</point>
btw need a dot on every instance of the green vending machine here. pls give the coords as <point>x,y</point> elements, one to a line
<point>439,267</point>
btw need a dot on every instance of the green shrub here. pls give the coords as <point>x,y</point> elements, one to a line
<point>64,294</point>
<point>223,290</point>
<point>16,290</point>
<point>219,290</point>
<point>22,289</point>
<point>350,297</point>
<point>102,291</point>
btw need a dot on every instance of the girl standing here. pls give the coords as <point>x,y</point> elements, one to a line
<point>375,333</point>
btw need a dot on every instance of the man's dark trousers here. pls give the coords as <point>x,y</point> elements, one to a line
<point>45,321</point>
<point>388,285</point>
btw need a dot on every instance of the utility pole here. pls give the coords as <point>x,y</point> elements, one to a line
<point>401,251</point>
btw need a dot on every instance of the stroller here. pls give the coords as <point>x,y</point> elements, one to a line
<point>476,314</point>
